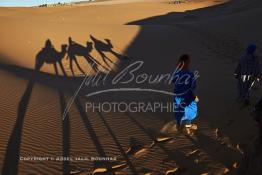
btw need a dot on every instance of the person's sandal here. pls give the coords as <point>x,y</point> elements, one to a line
<point>188,125</point>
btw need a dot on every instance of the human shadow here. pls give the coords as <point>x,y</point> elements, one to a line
<point>66,134</point>
<point>212,148</point>
<point>103,47</point>
<point>12,154</point>
<point>11,161</point>
<point>89,127</point>
<point>120,148</point>
<point>50,55</point>
<point>75,49</point>
<point>66,131</point>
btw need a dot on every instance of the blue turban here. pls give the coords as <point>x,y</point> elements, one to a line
<point>251,49</point>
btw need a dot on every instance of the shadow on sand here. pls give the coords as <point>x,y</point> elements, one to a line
<point>103,47</point>
<point>49,55</point>
<point>12,155</point>
<point>75,49</point>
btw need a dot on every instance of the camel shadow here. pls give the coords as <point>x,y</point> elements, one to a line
<point>106,46</point>
<point>75,49</point>
<point>12,156</point>
<point>50,55</point>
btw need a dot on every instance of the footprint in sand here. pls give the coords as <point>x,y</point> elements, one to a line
<point>135,146</point>
<point>192,153</point>
<point>161,140</point>
<point>164,139</point>
<point>141,152</point>
<point>218,135</point>
<point>100,171</point>
<point>239,149</point>
<point>226,170</point>
<point>145,171</point>
<point>138,151</point>
<point>114,168</point>
<point>235,165</point>
<point>169,128</point>
<point>76,172</point>
<point>172,171</point>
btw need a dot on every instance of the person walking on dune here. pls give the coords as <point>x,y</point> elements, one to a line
<point>185,100</point>
<point>247,73</point>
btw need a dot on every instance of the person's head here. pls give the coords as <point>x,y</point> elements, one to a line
<point>251,49</point>
<point>70,40</point>
<point>184,61</point>
<point>48,43</point>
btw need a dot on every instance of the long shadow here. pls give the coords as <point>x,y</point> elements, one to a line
<point>12,155</point>
<point>211,147</point>
<point>66,134</point>
<point>106,46</point>
<point>47,55</point>
<point>65,130</point>
<point>122,151</point>
<point>92,133</point>
<point>50,56</point>
<point>75,49</point>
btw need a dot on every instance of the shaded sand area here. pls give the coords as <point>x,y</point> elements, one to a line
<point>214,33</point>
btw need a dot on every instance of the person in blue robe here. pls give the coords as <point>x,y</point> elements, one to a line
<point>247,73</point>
<point>185,100</point>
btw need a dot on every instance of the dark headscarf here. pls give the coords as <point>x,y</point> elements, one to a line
<point>251,49</point>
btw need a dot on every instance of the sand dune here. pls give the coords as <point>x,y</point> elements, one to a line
<point>215,33</point>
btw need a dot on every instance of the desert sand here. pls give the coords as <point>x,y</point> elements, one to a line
<point>214,33</point>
